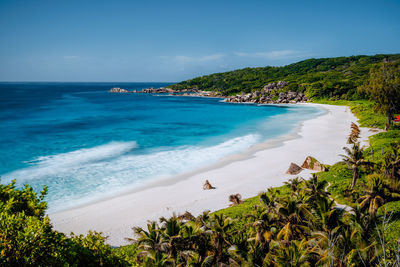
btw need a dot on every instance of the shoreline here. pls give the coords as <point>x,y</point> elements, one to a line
<point>171,180</point>
<point>248,173</point>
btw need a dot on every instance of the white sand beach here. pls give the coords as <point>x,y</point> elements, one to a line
<point>248,174</point>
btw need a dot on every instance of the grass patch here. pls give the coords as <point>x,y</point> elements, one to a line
<point>239,212</point>
<point>362,109</point>
<point>340,177</point>
<point>382,143</point>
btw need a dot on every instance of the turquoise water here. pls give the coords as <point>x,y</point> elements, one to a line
<point>85,143</point>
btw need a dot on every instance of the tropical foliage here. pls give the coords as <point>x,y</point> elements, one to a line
<point>298,224</point>
<point>383,87</point>
<point>327,78</point>
<point>27,237</point>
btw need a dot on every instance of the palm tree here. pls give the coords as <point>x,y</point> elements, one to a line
<point>150,239</point>
<point>354,134</point>
<point>151,244</point>
<point>221,227</point>
<point>171,234</point>
<point>355,159</point>
<point>294,253</point>
<point>327,216</point>
<point>294,184</point>
<point>196,239</point>
<point>375,196</point>
<point>315,188</point>
<point>326,246</point>
<point>391,163</point>
<point>151,258</point>
<point>270,198</point>
<point>295,216</point>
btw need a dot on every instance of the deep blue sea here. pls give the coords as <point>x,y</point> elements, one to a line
<point>85,143</point>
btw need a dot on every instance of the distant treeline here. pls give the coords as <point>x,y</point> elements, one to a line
<point>333,78</point>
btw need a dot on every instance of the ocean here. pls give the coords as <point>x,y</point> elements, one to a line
<point>86,144</point>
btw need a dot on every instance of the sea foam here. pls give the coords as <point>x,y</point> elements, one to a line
<point>88,174</point>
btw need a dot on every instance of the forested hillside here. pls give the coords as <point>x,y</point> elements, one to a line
<point>333,78</point>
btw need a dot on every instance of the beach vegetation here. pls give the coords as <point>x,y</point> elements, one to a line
<point>354,159</point>
<point>383,87</point>
<point>323,78</point>
<point>347,215</point>
<point>27,237</point>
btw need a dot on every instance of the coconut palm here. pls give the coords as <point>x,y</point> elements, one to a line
<point>270,198</point>
<point>170,231</point>
<point>150,239</point>
<point>355,159</point>
<point>294,184</point>
<point>315,188</point>
<point>354,134</point>
<point>391,163</point>
<point>152,258</point>
<point>294,253</point>
<point>295,217</point>
<point>247,251</point>
<point>196,240</point>
<point>326,246</point>
<point>221,227</point>
<point>327,216</point>
<point>376,194</point>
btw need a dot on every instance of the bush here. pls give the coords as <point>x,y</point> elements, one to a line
<point>27,237</point>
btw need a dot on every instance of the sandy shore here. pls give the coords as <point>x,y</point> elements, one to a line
<point>247,174</point>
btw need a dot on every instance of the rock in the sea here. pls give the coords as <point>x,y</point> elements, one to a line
<point>118,90</point>
<point>207,186</point>
<point>294,169</point>
<point>312,164</point>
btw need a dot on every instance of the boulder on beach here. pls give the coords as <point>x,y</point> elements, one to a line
<point>312,164</point>
<point>207,186</point>
<point>236,199</point>
<point>294,169</point>
<point>187,216</point>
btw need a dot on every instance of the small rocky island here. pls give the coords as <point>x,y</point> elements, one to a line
<point>118,90</point>
<point>272,93</point>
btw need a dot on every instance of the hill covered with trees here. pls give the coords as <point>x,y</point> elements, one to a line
<point>333,78</point>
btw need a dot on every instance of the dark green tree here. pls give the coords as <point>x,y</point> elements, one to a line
<point>383,87</point>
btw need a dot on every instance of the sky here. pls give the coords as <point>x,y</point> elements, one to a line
<point>170,41</point>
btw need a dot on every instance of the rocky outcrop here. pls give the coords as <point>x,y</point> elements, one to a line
<point>313,164</point>
<point>269,95</point>
<point>118,90</point>
<point>275,86</point>
<point>265,98</point>
<point>155,90</point>
<point>294,169</point>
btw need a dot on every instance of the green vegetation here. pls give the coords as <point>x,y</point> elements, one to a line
<point>383,86</point>
<point>297,224</point>
<point>28,239</point>
<point>332,78</point>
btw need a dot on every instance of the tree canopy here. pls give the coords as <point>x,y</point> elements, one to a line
<point>383,87</point>
<point>332,78</point>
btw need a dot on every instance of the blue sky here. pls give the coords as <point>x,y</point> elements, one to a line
<point>176,40</point>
